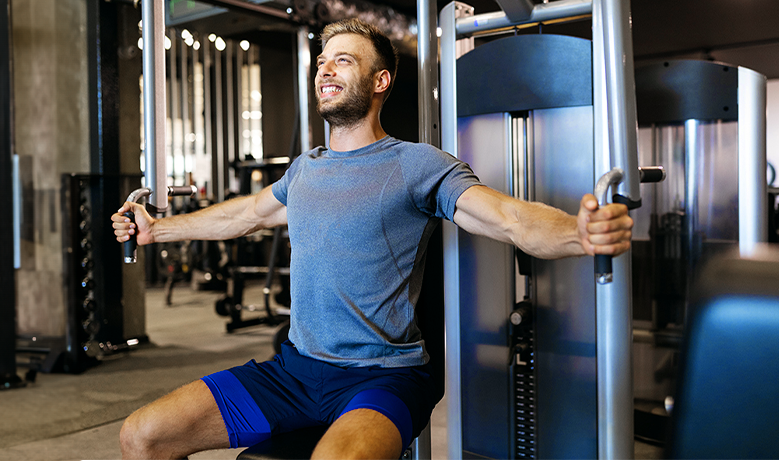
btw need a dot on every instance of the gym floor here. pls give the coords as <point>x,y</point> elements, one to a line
<point>71,417</point>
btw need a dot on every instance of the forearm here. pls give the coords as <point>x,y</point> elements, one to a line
<point>223,221</point>
<point>544,232</point>
<point>538,229</point>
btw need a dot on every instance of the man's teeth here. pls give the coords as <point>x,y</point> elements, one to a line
<point>331,89</point>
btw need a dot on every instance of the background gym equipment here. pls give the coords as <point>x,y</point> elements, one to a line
<point>232,303</point>
<point>95,317</point>
<point>705,123</point>
<point>726,405</point>
<point>8,377</point>
<point>539,117</point>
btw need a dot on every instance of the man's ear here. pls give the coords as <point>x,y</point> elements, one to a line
<point>382,81</point>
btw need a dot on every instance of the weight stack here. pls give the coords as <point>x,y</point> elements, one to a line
<point>523,393</point>
<point>93,272</point>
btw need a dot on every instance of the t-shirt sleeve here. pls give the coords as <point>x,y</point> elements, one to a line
<point>280,188</point>
<point>436,179</point>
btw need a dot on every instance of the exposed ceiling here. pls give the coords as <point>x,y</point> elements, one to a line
<point>736,32</point>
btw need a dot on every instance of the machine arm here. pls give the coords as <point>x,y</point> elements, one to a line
<point>131,245</point>
<point>603,272</point>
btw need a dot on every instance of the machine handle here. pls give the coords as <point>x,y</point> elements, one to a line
<point>174,191</point>
<point>131,245</point>
<point>603,271</point>
<point>651,174</point>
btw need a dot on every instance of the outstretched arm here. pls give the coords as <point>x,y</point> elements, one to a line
<point>226,220</point>
<point>543,231</point>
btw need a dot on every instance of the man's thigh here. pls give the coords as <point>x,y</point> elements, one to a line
<point>183,422</point>
<point>360,434</point>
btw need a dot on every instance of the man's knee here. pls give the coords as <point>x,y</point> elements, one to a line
<point>135,437</point>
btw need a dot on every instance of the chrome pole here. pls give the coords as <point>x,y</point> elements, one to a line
<point>616,133</point>
<point>304,83</point>
<point>752,221</point>
<point>427,67</point>
<point>153,16</point>
<point>541,12</point>
<point>450,51</point>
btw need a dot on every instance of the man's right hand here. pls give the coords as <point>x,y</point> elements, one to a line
<point>141,228</point>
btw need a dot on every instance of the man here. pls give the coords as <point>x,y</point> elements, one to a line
<point>359,216</point>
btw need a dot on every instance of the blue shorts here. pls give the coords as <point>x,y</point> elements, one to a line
<point>292,391</point>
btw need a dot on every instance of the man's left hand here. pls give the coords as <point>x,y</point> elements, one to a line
<point>604,230</point>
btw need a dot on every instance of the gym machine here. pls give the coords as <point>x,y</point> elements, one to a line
<point>536,121</point>
<point>705,122</point>
<point>538,352</point>
<point>8,377</point>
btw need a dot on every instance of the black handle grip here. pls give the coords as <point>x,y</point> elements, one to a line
<point>132,244</point>
<point>651,174</point>
<point>181,190</point>
<point>603,273</point>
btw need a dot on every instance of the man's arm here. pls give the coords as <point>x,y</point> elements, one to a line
<point>543,231</point>
<point>226,220</point>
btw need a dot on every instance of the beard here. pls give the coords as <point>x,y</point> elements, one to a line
<point>354,105</point>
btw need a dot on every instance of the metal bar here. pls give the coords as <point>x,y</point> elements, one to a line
<point>451,244</point>
<point>752,221</point>
<point>304,81</point>
<point>691,194</point>
<point>208,125</point>
<point>241,101</point>
<point>614,320</point>
<point>427,67</point>
<point>621,94</point>
<point>174,105</point>
<point>256,103</point>
<point>186,107</point>
<point>218,154</point>
<point>8,376</point>
<point>250,7</point>
<point>153,16</point>
<point>541,12</point>
<point>615,142</point>
<point>230,92</point>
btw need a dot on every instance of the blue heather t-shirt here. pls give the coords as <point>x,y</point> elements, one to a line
<point>359,223</point>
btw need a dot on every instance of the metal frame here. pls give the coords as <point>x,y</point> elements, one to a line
<point>615,141</point>
<point>304,83</point>
<point>427,47</point>
<point>153,16</point>
<point>752,221</point>
<point>8,376</point>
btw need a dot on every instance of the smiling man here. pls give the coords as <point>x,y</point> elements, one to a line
<point>360,213</point>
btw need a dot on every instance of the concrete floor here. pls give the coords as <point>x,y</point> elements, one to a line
<point>71,417</point>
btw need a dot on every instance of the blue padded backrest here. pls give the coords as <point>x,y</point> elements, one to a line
<point>727,404</point>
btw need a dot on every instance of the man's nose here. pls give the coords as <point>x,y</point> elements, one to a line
<point>326,69</point>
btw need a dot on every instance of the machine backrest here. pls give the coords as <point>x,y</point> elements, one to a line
<point>727,402</point>
<point>430,308</point>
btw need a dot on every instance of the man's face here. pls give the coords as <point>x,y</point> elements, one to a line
<point>344,79</point>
